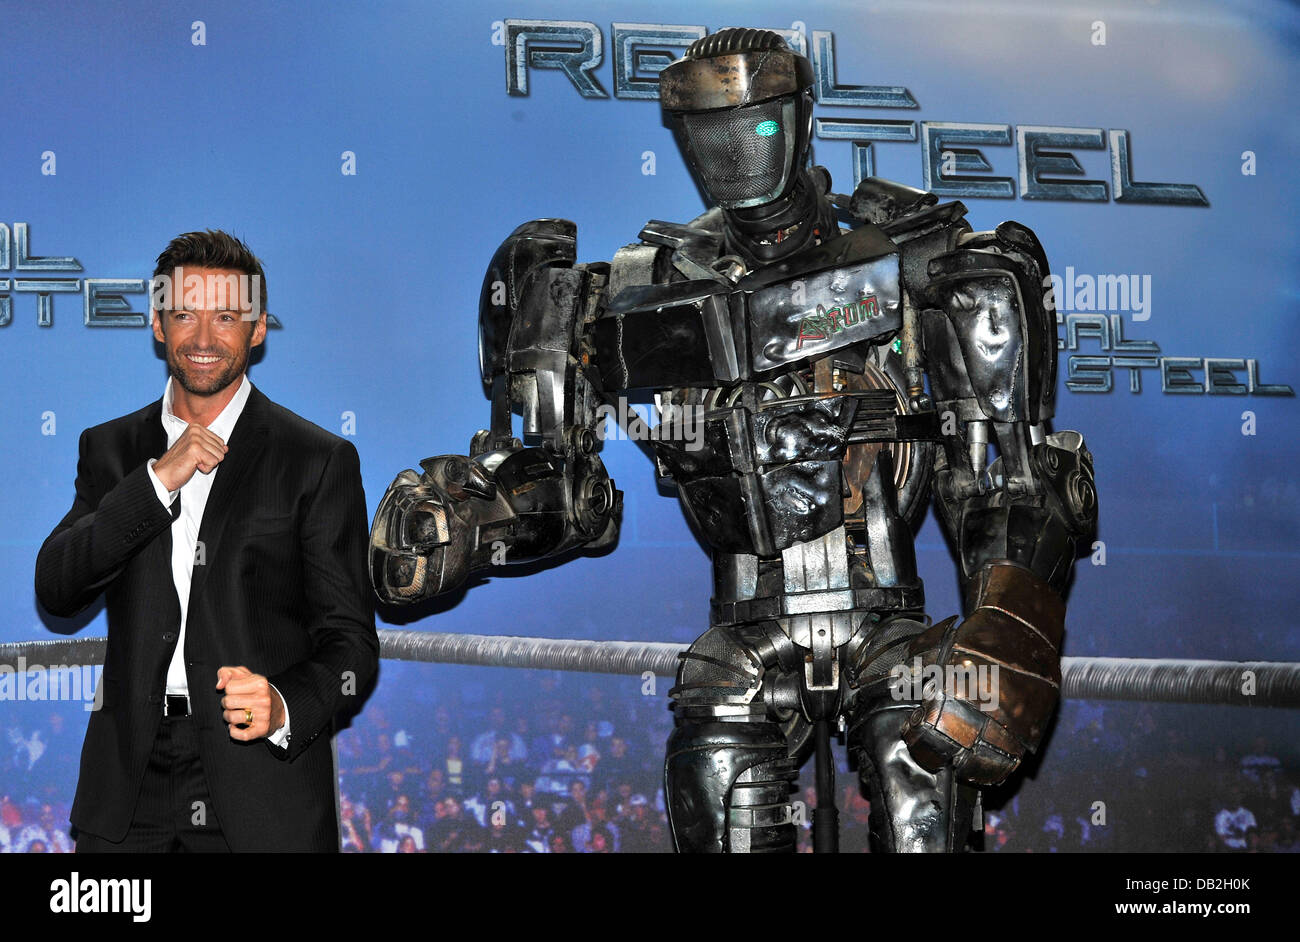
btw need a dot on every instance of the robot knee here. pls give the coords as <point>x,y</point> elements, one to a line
<point>720,676</point>
<point>727,786</point>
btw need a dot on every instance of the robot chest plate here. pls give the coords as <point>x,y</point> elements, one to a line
<point>706,333</point>
<point>800,310</point>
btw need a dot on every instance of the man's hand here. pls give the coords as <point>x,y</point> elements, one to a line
<point>196,450</point>
<point>246,691</point>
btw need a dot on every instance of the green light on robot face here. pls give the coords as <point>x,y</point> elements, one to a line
<point>767,129</point>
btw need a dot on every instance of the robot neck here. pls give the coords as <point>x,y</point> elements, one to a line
<point>776,230</point>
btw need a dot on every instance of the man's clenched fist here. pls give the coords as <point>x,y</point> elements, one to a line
<point>196,450</point>
<point>254,693</point>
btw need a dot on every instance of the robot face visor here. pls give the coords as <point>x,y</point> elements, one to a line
<point>741,156</point>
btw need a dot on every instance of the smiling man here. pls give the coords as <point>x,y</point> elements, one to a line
<point>229,537</point>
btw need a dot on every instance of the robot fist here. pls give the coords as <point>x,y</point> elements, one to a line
<point>992,681</point>
<point>426,528</point>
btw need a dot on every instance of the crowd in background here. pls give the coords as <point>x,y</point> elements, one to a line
<point>550,763</point>
<point>578,769</point>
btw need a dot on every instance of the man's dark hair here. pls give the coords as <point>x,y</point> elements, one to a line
<point>211,248</point>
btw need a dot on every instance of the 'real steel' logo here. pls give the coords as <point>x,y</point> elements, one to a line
<point>821,324</point>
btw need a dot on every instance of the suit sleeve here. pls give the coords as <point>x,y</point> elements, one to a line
<point>345,656</point>
<point>97,538</point>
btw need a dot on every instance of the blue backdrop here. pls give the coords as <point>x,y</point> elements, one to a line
<point>122,129</point>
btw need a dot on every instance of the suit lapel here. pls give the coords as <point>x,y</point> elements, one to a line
<point>150,441</point>
<point>246,444</point>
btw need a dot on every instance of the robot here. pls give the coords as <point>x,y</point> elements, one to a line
<point>797,352</point>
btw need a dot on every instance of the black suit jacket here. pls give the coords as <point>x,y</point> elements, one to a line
<point>282,589</point>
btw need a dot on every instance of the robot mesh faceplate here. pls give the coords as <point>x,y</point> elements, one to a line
<point>737,117</point>
<point>743,156</point>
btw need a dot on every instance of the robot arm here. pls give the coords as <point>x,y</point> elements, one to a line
<point>988,327</point>
<point>505,502</point>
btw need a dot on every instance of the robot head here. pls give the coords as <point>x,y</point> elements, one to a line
<point>740,104</point>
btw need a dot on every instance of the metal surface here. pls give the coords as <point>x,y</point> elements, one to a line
<point>912,810</point>
<point>731,79</point>
<point>532,246</point>
<point>816,312</point>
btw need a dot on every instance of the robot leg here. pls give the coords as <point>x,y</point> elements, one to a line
<point>912,810</point>
<point>728,773</point>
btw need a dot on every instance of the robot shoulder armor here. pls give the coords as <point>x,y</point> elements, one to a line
<point>880,201</point>
<point>993,281</point>
<point>535,245</point>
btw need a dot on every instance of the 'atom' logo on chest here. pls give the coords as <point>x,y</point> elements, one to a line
<point>823,323</point>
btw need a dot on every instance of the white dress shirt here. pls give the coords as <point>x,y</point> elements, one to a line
<point>185,529</point>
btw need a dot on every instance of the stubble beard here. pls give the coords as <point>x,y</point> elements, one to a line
<point>234,368</point>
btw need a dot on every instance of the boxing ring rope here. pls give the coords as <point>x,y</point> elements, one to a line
<point>1163,680</point>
